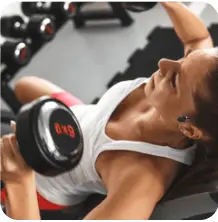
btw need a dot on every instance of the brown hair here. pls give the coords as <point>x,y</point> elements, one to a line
<point>207,109</point>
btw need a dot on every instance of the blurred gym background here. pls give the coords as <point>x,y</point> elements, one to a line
<point>87,56</point>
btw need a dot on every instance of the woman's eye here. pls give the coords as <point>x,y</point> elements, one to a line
<point>173,80</point>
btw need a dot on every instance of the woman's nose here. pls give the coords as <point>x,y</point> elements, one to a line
<point>166,65</point>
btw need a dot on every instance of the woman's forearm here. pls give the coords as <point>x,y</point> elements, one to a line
<point>22,203</point>
<point>188,26</point>
<point>36,87</point>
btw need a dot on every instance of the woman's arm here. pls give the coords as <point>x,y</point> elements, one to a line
<point>188,26</point>
<point>29,88</point>
<point>132,197</point>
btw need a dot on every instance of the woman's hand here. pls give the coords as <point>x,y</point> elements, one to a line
<point>21,202</point>
<point>14,170</point>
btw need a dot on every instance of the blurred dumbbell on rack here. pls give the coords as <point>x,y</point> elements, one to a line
<point>61,11</point>
<point>39,28</point>
<point>15,54</point>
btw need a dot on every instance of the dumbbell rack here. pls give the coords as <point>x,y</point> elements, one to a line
<point>117,12</point>
<point>7,74</point>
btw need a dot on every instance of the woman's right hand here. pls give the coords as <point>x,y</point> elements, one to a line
<point>13,167</point>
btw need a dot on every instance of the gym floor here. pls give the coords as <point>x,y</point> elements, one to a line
<point>84,61</point>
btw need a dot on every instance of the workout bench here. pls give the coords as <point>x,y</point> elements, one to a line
<point>186,201</point>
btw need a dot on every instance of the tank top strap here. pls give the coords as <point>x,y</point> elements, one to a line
<point>185,156</point>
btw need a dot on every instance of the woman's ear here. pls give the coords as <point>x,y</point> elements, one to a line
<point>191,131</point>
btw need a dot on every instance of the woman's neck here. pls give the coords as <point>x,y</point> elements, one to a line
<point>152,130</point>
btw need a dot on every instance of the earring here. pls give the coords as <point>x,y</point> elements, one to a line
<point>182,119</point>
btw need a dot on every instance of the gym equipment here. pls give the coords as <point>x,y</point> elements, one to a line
<point>138,6</point>
<point>193,197</point>
<point>194,193</point>
<point>6,117</point>
<point>39,27</point>
<point>117,12</point>
<point>49,136</point>
<point>60,10</point>
<point>15,53</point>
<point>39,30</point>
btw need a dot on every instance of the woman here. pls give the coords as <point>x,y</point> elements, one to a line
<point>137,138</point>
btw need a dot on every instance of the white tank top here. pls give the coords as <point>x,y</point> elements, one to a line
<point>73,187</point>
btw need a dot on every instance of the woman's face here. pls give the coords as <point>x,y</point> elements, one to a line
<point>170,90</point>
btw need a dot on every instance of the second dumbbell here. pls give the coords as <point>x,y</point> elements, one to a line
<point>60,10</point>
<point>15,54</point>
<point>38,27</point>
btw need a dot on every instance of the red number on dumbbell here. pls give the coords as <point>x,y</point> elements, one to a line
<point>64,129</point>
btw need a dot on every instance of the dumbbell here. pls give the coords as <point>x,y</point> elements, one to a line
<point>15,53</point>
<point>60,10</point>
<point>39,27</point>
<point>49,136</point>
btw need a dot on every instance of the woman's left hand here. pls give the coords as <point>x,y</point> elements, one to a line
<point>13,167</point>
